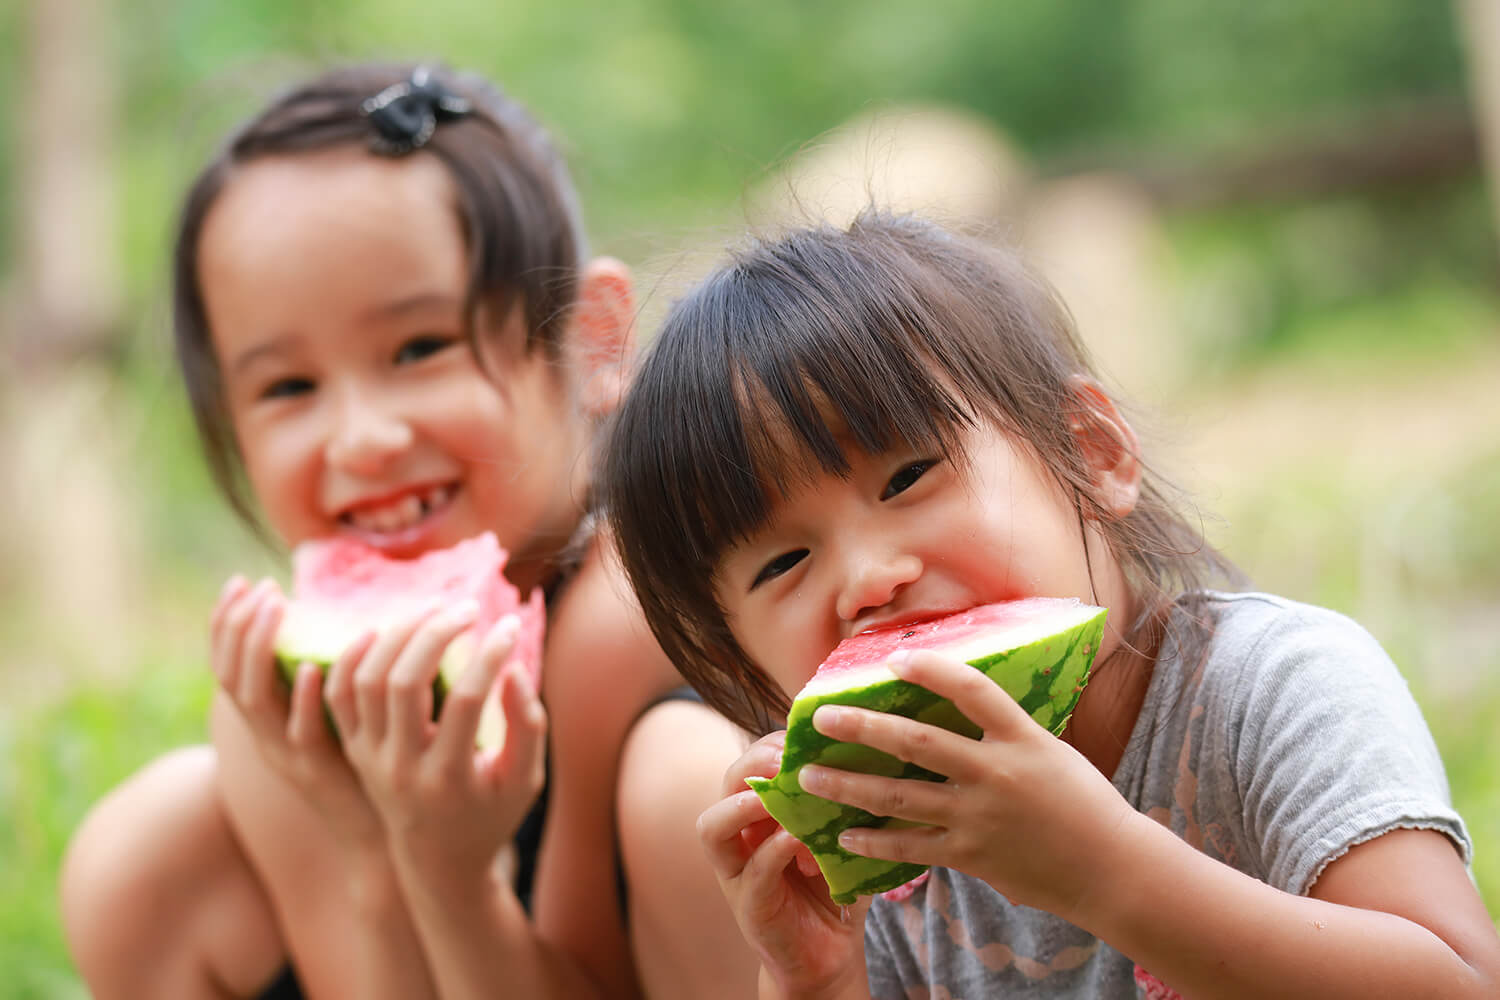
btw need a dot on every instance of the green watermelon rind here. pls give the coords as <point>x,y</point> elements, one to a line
<point>323,651</point>
<point>291,655</point>
<point>1046,677</point>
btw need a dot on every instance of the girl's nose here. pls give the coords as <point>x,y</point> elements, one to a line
<point>365,435</point>
<point>875,577</point>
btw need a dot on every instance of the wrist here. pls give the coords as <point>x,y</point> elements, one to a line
<point>853,984</point>
<point>463,888</point>
<point>371,881</point>
<point>1119,881</point>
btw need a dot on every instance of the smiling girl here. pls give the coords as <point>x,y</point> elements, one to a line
<point>390,331</point>
<point>847,429</point>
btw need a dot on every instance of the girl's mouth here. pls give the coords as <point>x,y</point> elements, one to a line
<point>401,513</point>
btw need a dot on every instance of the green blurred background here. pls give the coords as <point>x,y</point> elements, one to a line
<point>1272,221</point>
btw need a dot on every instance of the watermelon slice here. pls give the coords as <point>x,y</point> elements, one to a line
<point>1039,650</point>
<point>341,587</point>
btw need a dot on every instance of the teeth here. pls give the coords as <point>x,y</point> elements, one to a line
<point>400,514</point>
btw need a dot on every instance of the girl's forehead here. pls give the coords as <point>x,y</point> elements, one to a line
<point>419,181</point>
<point>299,241</point>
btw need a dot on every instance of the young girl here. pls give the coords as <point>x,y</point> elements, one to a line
<point>389,330</point>
<point>850,429</point>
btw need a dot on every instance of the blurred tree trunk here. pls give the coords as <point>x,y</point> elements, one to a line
<point>1407,144</point>
<point>1479,23</point>
<point>69,261</point>
<point>63,438</point>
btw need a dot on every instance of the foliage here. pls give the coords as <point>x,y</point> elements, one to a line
<point>672,110</point>
<point>1351,277</point>
<point>55,765</point>
<point>670,107</point>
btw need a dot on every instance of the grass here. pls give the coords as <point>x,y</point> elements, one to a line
<point>59,761</point>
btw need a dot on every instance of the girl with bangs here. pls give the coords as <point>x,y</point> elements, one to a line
<point>849,429</point>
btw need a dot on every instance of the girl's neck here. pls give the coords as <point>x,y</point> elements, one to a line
<point>559,549</point>
<point>1109,706</point>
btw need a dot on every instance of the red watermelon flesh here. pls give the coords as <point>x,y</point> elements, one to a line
<point>342,587</point>
<point>1009,622</point>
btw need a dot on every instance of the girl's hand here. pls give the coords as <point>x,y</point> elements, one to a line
<point>808,945</point>
<point>290,731</point>
<point>445,805</point>
<point>1021,809</point>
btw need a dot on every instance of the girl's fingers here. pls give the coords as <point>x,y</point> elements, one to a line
<point>306,725</point>
<point>260,682</point>
<point>766,864</point>
<point>220,634</point>
<point>921,845</point>
<point>522,760</point>
<point>927,802</point>
<point>807,864</point>
<point>338,687</point>
<point>977,697</point>
<point>458,725</point>
<point>919,743</point>
<point>232,589</point>
<point>409,685</point>
<point>373,672</point>
<point>720,827</point>
<point>762,759</point>
<point>229,637</point>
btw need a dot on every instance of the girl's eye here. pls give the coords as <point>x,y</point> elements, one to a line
<point>904,480</point>
<point>778,566</point>
<point>421,347</point>
<point>284,388</point>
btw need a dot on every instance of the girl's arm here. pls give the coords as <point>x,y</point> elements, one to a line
<point>1394,917</point>
<point>809,947</point>
<point>629,783</point>
<point>382,957</point>
<point>449,811</point>
<point>684,937</point>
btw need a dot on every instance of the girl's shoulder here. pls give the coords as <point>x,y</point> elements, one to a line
<point>1270,632</point>
<point>1290,718</point>
<point>598,644</point>
<point>1256,662</point>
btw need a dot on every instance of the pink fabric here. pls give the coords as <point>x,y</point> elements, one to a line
<point>905,890</point>
<point>1151,988</point>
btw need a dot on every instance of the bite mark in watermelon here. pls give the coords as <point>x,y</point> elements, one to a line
<point>342,587</point>
<point>1039,650</point>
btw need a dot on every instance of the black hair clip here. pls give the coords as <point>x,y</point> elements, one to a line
<point>406,114</point>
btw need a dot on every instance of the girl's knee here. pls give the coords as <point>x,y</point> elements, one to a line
<point>151,868</point>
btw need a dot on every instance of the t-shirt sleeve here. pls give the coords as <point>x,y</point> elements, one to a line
<point>1333,750</point>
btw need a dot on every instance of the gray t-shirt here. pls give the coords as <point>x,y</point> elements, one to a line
<point>1287,739</point>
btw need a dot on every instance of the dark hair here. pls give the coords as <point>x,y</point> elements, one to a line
<point>892,332</point>
<point>516,200</point>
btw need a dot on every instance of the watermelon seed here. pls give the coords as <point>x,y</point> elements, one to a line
<point>908,635</point>
<point>844,913</point>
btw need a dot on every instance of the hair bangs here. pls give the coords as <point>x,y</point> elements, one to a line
<point>838,369</point>
<point>796,379</point>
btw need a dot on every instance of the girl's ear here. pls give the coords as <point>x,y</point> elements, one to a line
<point>1109,446</point>
<point>603,334</point>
